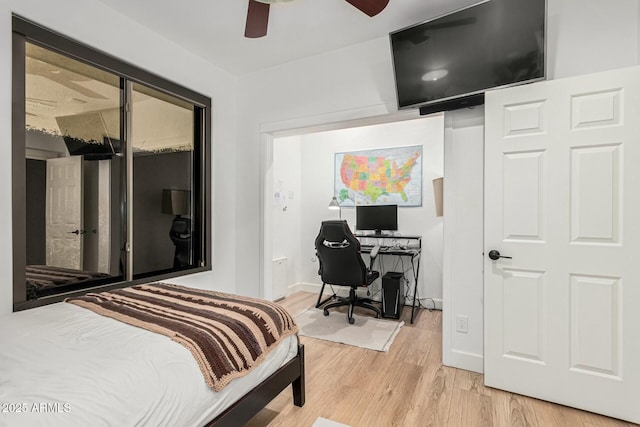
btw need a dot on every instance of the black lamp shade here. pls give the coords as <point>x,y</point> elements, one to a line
<point>176,202</point>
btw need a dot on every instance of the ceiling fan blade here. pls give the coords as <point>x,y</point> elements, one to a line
<point>257,20</point>
<point>370,7</point>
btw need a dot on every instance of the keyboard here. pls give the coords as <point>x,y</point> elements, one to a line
<point>367,248</point>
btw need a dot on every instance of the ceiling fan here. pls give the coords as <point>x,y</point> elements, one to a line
<point>258,13</point>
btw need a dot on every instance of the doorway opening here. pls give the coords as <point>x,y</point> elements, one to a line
<point>300,181</point>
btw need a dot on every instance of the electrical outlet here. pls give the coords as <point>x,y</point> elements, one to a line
<point>462,324</point>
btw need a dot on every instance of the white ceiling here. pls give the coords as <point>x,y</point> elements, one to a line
<point>214,29</point>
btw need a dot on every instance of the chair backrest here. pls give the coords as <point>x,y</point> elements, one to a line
<point>338,251</point>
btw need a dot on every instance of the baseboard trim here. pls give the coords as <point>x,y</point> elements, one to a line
<point>305,287</point>
<point>437,304</point>
<point>314,288</point>
<point>467,361</point>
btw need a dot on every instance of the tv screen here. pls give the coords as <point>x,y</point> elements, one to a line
<point>90,149</point>
<point>458,56</point>
<point>377,217</point>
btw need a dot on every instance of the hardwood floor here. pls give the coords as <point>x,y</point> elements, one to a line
<point>408,386</point>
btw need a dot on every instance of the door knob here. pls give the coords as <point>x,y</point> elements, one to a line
<point>75,232</point>
<point>494,255</point>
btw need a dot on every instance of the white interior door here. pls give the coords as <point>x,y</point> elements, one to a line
<point>64,217</point>
<point>562,198</point>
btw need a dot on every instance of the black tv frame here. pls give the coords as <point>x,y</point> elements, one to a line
<point>464,100</point>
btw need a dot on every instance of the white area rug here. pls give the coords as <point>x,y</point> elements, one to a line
<point>323,422</point>
<point>367,332</point>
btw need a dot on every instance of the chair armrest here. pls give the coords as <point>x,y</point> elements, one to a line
<point>372,255</point>
<point>374,251</point>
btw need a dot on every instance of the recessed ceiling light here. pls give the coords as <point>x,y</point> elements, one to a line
<point>434,75</point>
<point>55,71</point>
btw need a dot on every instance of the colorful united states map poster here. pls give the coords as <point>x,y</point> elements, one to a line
<point>387,176</point>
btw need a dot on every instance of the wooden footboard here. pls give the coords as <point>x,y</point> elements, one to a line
<point>251,403</point>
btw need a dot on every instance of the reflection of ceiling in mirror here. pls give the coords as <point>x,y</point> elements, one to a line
<point>60,86</point>
<point>160,126</point>
<point>65,97</point>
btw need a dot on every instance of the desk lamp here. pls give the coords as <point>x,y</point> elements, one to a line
<point>335,206</point>
<point>178,203</point>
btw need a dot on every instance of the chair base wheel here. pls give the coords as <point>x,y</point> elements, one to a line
<point>325,312</point>
<point>351,320</point>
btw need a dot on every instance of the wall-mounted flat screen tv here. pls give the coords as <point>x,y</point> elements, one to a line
<point>449,62</point>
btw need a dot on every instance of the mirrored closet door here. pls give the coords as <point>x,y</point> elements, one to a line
<point>73,166</point>
<point>163,156</point>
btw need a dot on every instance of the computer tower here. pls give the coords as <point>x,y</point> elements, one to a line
<point>392,294</point>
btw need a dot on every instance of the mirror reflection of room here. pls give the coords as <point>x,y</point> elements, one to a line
<point>76,176</point>
<point>163,163</point>
<point>73,159</point>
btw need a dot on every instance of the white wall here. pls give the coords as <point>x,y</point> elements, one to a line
<point>287,204</point>
<point>346,84</point>
<point>587,36</point>
<point>96,25</point>
<point>317,165</point>
<point>583,36</point>
<point>463,216</point>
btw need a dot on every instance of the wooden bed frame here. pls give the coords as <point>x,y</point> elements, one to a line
<point>254,401</point>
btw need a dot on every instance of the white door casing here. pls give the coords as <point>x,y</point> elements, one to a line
<point>104,216</point>
<point>64,212</point>
<point>562,198</point>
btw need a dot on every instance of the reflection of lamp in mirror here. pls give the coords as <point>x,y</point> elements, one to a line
<point>178,203</point>
<point>335,206</point>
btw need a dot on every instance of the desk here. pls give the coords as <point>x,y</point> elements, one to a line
<point>400,246</point>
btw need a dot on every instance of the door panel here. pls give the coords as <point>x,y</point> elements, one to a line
<point>596,336</point>
<point>524,314</point>
<point>64,217</point>
<point>524,196</point>
<point>561,199</point>
<point>596,195</point>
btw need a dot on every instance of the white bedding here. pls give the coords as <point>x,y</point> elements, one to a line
<point>63,365</point>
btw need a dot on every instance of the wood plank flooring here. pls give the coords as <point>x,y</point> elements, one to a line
<point>408,386</point>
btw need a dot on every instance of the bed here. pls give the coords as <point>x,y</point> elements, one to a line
<point>65,365</point>
<point>43,280</point>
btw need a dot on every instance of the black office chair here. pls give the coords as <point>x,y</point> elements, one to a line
<point>180,235</point>
<point>341,264</point>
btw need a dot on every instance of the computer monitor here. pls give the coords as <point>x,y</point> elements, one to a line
<point>377,217</point>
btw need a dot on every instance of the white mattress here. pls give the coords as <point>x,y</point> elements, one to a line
<point>64,365</point>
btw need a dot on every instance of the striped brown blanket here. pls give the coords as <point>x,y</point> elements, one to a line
<point>228,335</point>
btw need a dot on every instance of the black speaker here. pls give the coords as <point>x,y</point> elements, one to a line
<point>453,104</point>
<point>392,294</point>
